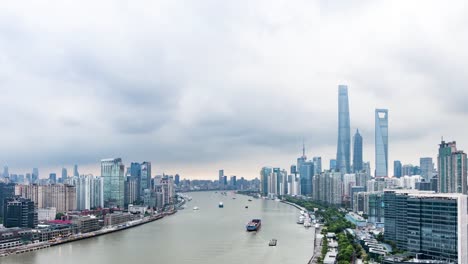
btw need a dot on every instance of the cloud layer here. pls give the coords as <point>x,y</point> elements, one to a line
<point>194,86</point>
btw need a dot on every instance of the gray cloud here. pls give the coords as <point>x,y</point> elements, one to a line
<point>237,85</point>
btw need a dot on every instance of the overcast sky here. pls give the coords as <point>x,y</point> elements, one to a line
<point>196,86</point>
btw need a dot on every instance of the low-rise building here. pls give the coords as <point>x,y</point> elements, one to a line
<point>86,224</point>
<point>53,231</point>
<point>13,237</point>
<point>46,214</point>
<point>117,218</point>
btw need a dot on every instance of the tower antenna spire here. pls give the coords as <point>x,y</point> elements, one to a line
<point>303,148</point>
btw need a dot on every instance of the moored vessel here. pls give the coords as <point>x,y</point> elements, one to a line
<point>221,205</point>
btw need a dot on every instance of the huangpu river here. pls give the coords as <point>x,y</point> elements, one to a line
<point>210,235</point>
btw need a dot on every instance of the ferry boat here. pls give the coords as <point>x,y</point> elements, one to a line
<point>254,225</point>
<point>221,205</point>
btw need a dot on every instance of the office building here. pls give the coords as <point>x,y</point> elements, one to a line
<point>145,176</point>
<point>333,164</point>
<point>19,212</point>
<point>452,169</point>
<point>7,190</point>
<point>397,169</point>
<point>357,152</point>
<point>306,173</point>
<point>53,178</point>
<point>344,138</point>
<point>428,224</point>
<point>264,180</point>
<point>221,179</point>
<point>427,168</point>
<point>64,175</point>
<point>75,171</point>
<point>381,143</point>
<point>112,171</point>
<point>35,175</point>
<point>317,165</point>
<point>177,179</point>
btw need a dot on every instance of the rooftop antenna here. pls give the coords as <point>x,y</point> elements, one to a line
<point>303,148</point>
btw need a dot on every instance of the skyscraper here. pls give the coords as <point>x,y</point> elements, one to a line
<point>397,169</point>
<point>221,179</point>
<point>53,178</point>
<point>35,175</point>
<point>112,170</point>
<point>381,142</point>
<point>357,152</point>
<point>452,169</point>
<point>344,138</point>
<point>145,176</point>
<point>307,173</point>
<point>317,165</point>
<point>333,164</point>
<point>64,175</point>
<point>427,167</point>
<point>75,171</point>
<point>5,172</point>
<point>19,212</point>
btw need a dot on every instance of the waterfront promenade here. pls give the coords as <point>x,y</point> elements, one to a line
<point>77,237</point>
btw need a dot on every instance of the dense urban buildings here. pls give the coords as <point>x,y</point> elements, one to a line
<point>427,168</point>
<point>381,143</point>
<point>344,139</point>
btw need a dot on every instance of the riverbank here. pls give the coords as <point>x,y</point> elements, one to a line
<point>77,237</point>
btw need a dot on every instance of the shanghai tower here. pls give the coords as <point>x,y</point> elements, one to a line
<point>344,138</point>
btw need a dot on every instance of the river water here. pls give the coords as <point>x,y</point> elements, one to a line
<point>207,236</point>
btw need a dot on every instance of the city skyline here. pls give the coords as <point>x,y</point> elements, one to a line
<point>108,90</point>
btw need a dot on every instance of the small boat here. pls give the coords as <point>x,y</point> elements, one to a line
<point>246,206</point>
<point>250,200</point>
<point>273,243</point>
<point>195,208</point>
<point>300,221</point>
<point>254,225</point>
<point>221,205</point>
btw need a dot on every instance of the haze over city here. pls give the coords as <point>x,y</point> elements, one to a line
<point>205,85</point>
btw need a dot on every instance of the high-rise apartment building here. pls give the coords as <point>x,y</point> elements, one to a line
<point>89,192</point>
<point>381,143</point>
<point>112,170</point>
<point>429,224</point>
<point>452,169</point>
<point>344,138</point>
<point>357,152</point>
<point>397,169</point>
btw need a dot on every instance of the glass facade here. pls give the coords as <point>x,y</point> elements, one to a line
<point>397,169</point>
<point>424,224</point>
<point>112,171</point>
<point>381,142</point>
<point>344,138</point>
<point>357,152</point>
<point>306,174</point>
<point>452,169</point>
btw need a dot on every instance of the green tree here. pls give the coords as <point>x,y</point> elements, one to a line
<point>59,216</point>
